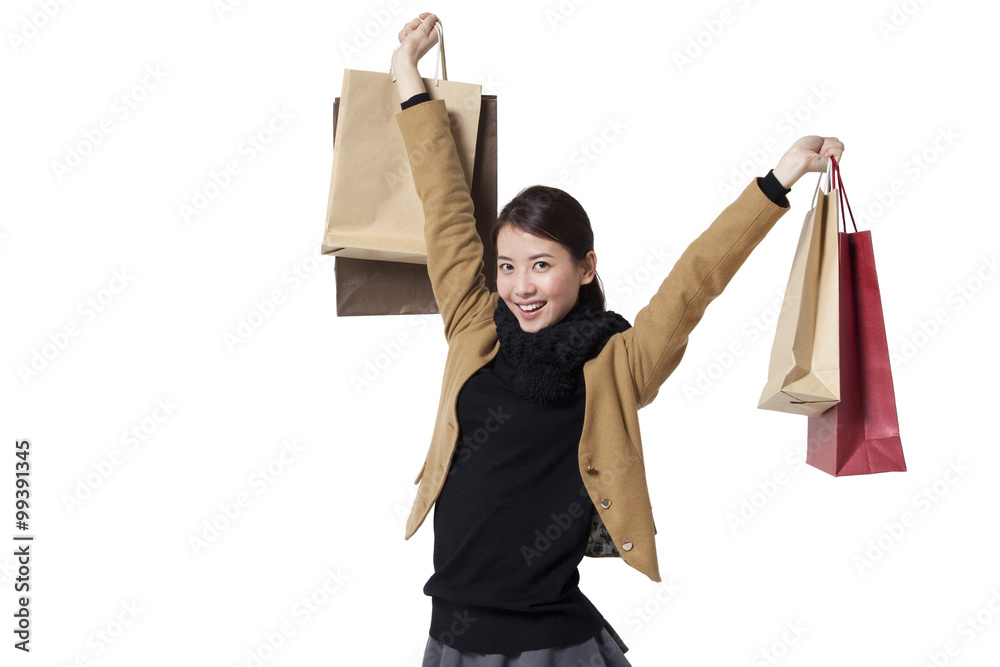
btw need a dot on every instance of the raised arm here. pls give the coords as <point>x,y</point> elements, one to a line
<point>454,249</point>
<point>415,40</point>
<point>658,339</point>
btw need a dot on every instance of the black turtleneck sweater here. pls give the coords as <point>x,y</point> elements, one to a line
<point>511,523</point>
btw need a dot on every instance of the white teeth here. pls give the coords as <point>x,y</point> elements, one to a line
<point>534,306</point>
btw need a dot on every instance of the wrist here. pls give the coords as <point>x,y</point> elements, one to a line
<point>787,174</point>
<point>403,61</point>
<point>408,81</point>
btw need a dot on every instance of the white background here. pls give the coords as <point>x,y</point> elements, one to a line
<point>890,79</point>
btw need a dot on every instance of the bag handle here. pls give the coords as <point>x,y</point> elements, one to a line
<point>438,62</point>
<point>829,183</point>
<point>843,195</point>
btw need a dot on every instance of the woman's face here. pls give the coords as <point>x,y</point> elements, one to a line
<point>538,278</point>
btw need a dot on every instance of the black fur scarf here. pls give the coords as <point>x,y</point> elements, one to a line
<point>546,362</point>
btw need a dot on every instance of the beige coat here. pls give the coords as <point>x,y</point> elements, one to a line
<point>624,377</point>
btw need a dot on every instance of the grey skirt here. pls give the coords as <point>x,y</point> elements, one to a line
<point>605,650</point>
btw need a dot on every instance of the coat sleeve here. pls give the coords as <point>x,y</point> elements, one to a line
<point>454,249</point>
<point>657,340</point>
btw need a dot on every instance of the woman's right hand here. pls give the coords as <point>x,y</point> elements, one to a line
<point>415,39</point>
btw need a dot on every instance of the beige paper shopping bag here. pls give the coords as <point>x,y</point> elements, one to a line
<point>373,211</point>
<point>375,287</point>
<point>804,372</point>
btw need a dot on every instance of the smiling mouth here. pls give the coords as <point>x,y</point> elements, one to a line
<point>531,307</point>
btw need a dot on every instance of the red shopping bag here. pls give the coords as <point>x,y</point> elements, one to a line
<point>859,435</point>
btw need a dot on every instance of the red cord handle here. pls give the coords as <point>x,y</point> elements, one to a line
<point>839,184</point>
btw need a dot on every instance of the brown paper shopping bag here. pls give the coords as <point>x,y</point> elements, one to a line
<point>376,287</point>
<point>373,211</point>
<point>804,372</point>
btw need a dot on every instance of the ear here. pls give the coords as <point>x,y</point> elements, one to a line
<point>589,268</point>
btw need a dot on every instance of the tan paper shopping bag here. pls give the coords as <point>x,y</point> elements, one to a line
<point>804,372</point>
<point>375,287</point>
<point>373,211</point>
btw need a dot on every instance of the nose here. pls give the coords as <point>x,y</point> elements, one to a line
<point>523,284</point>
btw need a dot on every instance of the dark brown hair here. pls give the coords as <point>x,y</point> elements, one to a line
<point>553,214</point>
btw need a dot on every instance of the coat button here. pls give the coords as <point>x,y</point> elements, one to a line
<point>591,469</point>
<point>627,546</point>
<point>606,503</point>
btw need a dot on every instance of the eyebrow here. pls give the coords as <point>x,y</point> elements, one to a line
<point>541,254</point>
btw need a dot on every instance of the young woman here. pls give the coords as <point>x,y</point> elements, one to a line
<point>536,458</point>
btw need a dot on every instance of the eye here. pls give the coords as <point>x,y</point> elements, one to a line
<point>504,265</point>
<point>543,263</point>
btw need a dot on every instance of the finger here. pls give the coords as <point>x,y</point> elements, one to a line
<point>831,144</point>
<point>832,148</point>
<point>427,24</point>
<point>409,27</point>
<point>426,35</point>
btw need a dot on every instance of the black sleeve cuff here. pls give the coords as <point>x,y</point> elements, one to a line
<point>773,189</point>
<point>416,99</point>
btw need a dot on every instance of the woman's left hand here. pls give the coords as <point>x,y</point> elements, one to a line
<point>809,153</point>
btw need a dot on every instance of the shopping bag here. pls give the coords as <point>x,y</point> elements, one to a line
<point>377,287</point>
<point>373,211</point>
<point>860,434</point>
<point>804,371</point>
